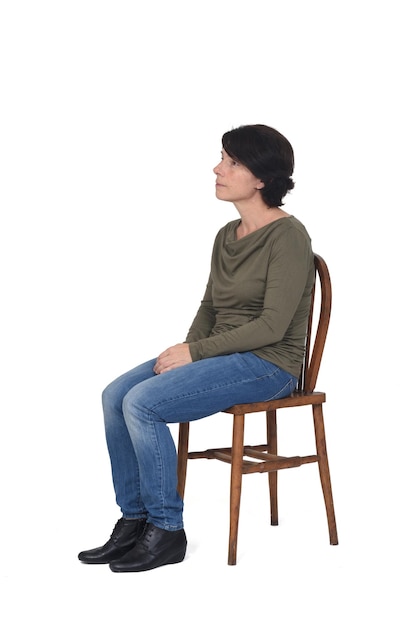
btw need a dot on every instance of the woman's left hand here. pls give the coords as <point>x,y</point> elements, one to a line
<point>173,357</point>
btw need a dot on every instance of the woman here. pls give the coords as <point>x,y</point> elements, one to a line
<point>245,344</point>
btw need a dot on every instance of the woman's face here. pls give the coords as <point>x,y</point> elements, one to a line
<point>234,182</point>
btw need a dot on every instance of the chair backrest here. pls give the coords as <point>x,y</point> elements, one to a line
<point>316,331</point>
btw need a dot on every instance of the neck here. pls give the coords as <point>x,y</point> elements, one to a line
<point>254,218</point>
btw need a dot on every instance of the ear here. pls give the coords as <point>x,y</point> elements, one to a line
<point>260,185</point>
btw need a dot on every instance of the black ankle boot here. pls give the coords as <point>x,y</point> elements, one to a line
<point>123,538</point>
<point>156,547</point>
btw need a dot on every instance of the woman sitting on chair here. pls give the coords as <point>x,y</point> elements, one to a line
<point>246,344</point>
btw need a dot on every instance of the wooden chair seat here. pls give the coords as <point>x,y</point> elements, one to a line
<point>264,458</point>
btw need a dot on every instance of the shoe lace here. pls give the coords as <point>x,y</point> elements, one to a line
<point>147,534</point>
<point>117,528</point>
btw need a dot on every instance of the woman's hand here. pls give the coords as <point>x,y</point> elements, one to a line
<point>173,357</point>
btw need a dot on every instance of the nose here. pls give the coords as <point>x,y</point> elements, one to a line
<point>217,169</point>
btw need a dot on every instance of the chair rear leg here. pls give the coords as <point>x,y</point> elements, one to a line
<point>235,484</point>
<point>272,440</point>
<point>324,471</point>
<point>183,436</point>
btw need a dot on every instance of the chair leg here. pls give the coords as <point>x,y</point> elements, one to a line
<point>271,435</point>
<point>235,484</point>
<point>325,472</point>
<point>183,435</point>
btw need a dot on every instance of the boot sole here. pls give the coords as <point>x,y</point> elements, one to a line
<point>177,558</point>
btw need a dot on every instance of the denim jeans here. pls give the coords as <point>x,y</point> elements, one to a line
<point>139,405</point>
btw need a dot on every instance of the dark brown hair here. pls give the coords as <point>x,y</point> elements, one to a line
<point>267,154</point>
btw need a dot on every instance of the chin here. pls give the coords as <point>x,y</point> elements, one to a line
<point>220,195</point>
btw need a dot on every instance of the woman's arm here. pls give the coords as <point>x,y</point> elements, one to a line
<point>204,319</point>
<point>179,354</point>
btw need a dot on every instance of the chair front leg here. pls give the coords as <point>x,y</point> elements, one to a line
<point>183,436</point>
<point>235,484</point>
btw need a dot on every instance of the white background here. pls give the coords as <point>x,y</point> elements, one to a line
<point>111,120</point>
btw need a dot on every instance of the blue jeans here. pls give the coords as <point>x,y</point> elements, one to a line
<point>139,405</point>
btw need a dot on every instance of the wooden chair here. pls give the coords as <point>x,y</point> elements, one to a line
<point>266,458</point>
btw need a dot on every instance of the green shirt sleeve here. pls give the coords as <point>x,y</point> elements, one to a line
<point>205,318</point>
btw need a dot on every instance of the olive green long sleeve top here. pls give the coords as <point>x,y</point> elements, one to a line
<point>257,297</point>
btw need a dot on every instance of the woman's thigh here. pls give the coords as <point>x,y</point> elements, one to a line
<point>208,386</point>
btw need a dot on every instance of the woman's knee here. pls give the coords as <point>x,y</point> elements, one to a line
<point>111,397</point>
<point>131,403</point>
<point>138,406</point>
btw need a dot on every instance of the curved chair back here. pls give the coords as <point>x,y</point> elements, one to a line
<point>315,342</point>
